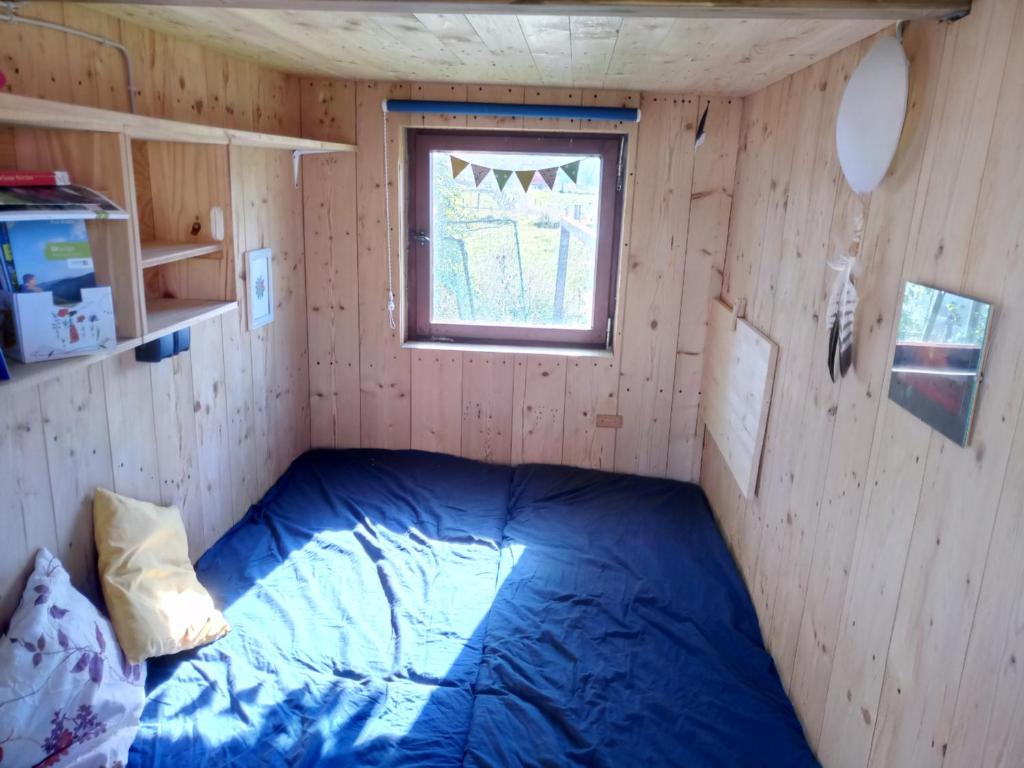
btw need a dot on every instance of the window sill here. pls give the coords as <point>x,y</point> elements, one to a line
<point>518,349</point>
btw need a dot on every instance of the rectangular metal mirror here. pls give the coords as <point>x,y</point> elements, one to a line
<point>940,348</point>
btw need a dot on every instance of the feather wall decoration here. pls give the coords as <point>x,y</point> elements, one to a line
<point>842,309</point>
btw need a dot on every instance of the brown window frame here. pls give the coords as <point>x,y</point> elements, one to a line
<point>421,142</point>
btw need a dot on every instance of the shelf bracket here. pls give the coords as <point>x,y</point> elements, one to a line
<point>298,154</point>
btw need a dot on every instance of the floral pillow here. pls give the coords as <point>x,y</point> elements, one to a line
<point>68,697</point>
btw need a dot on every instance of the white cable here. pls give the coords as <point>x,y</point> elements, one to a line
<point>387,222</point>
<point>11,17</point>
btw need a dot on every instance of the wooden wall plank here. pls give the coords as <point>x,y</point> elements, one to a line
<point>177,449</point>
<point>436,398</point>
<point>518,406</point>
<point>100,77</point>
<point>28,515</point>
<point>808,395</point>
<point>329,189</point>
<point>384,366</point>
<point>802,283</point>
<point>78,461</point>
<point>437,401</point>
<point>798,291</point>
<point>239,370</point>
<point>252,405</point>
<point>487,407</point>
<point>288,332</point>
<point>664,169</point>
<point>761,111</point>
<point>212,440</point>
<point>36,60</point>
<point>331,289</point>
<point>501,94</point>
<point>714,172</point>
<point>592,386</point>
<point>132,427</point>
<point>542,411</point>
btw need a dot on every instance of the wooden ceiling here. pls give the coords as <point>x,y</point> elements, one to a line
<point>707,55</point>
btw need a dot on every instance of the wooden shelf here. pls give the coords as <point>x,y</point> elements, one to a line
<point>42,113</point>
<point>32,374</point>
<point>165,316</point>
<point>59,214</point>
<point>155,254</point>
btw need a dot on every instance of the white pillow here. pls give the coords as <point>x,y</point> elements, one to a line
<point>68,697</point>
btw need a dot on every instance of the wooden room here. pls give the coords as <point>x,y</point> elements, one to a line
<point>488,383</point>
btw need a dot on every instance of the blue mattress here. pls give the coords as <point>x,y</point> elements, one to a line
<point>413,609</point>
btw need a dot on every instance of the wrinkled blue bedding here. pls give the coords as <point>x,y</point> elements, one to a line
<point>413,609</point>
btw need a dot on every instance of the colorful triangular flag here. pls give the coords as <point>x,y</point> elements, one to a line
<point>549,175</point>
<point>572,170</point>
<point>502,178</point>
<point>458,166</point>
<point>479,173</point>
<point>525,178</point>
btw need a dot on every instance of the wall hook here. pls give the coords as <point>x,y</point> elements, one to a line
<point>739,312</point>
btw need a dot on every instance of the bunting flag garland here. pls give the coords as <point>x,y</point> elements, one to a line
<point>502,178</point>
<point>525,178</point>
<point>479,173</point>
<point>458,166</point>
<point>548,175</point>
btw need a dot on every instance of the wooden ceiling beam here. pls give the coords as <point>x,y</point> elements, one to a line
<point>894,10</point>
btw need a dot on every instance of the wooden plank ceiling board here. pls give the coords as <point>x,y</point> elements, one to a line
<point>782,9</point>
<point>733,56</point>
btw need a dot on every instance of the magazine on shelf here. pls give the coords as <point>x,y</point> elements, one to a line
<point>48,256</point>
<point>56,202</point>
<point>7,275</point>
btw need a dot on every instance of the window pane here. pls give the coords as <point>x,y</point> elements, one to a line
<point>509,256</point>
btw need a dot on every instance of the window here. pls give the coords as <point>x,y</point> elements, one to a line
<point>513,237</point>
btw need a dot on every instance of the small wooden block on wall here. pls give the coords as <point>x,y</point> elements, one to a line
<point>739,371</point>
<point>609,420</point>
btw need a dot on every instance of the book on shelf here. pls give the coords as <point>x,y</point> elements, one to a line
<point>70,201</point>
<point>6,261</point>
<point>34,178</point>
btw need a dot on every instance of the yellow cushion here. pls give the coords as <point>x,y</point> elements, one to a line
<point>156,603</point>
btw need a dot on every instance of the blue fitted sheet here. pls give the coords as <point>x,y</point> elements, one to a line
<point>408,608</point>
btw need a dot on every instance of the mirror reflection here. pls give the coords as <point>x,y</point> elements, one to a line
<point>940,347</point>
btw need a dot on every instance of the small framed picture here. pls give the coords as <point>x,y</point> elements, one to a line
<point>259,277</point>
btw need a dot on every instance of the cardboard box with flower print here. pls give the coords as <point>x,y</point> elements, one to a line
<point>45,330</point>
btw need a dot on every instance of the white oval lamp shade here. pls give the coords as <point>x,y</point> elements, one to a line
<point>871,115</point>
